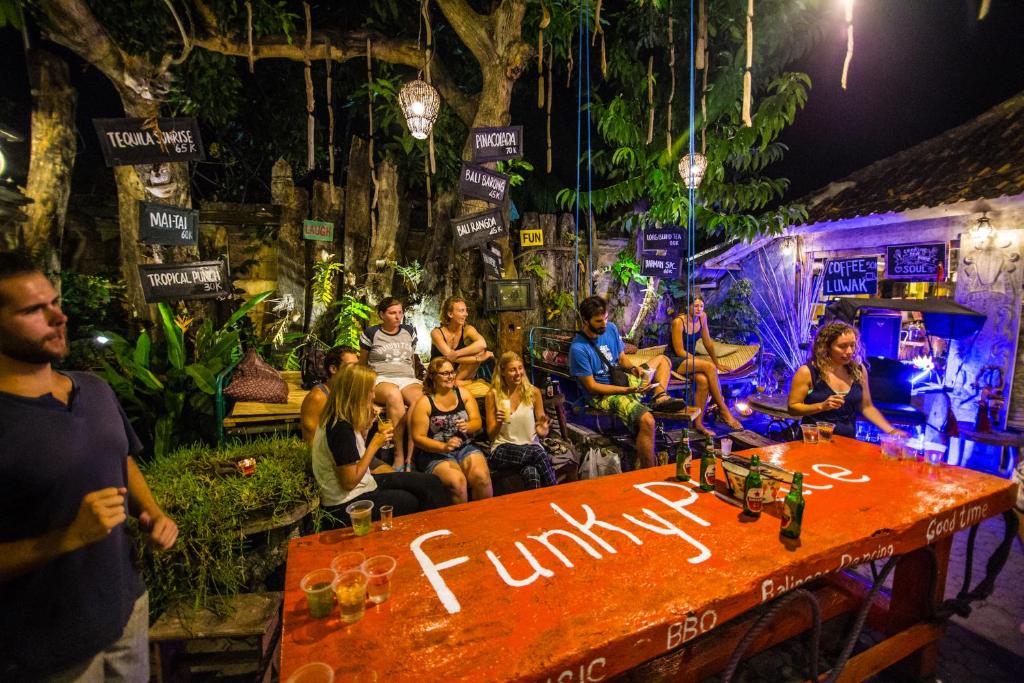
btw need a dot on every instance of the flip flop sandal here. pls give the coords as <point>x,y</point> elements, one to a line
<point>669,405</point>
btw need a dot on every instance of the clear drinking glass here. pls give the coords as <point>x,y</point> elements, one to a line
<point>810,433</point>
<point>387,514</point>
<point>825,430</point>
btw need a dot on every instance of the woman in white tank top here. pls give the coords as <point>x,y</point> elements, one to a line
<point>516,423</point>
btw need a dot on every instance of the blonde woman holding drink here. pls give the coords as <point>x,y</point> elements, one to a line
<point>516,423</point>
<point>341,456</point>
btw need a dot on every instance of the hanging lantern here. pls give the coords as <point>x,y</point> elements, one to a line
<point>691,170</point>
<point>983,230</point>
<point>420,103</point>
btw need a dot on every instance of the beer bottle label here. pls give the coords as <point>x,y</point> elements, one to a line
<point>709,475</point>
<point>754,500</point>
<point>787,516</point>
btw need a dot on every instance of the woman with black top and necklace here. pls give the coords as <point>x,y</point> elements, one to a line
<point>458,342</point>
<point>833,385</point>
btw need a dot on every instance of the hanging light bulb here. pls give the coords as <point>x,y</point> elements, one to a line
<point>420,103</point>
<point>691,170</point>
<point>983,230</point>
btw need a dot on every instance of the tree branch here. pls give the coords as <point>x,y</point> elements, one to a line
<point>72,24</point>
<point>473,29</point>
<point>344,47</point>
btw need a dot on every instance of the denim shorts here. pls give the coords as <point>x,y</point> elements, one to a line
<point>457,456</point>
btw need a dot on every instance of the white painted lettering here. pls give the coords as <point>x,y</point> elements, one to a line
<point>592,521</point>
<point>669,529</point>
<point>538,570</point>
<point>432,570</point>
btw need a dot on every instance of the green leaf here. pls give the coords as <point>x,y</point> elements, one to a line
<point>246,307</point>
<point>142,350</point>
<point>203,377</point>
<point>175,338</point>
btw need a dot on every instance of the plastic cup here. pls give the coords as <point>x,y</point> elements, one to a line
<point>892,446</point>
<point>360,512</point>
<point>378,570</point>
<point>934,457</point>
<point>825,430</point>
<point>387,515</point>
<point>810,433</point>
<point>505,405</point>
<point>726,446</point>
<point>350,589</point>
<point>314,672</point>
<point>344,562</point>
<point>319,593</point>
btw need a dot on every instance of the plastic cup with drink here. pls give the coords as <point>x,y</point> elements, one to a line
<point>810,433</point>
<point>344,562</point>
<point>350,589</point>
<point>360,512</point>
<point>825,430</point>
<point>378,570</point>
<point>319,594</point>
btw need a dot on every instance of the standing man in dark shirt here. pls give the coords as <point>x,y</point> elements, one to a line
<point>73,606</point>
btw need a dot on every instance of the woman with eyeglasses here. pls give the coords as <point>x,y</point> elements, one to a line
<point>443,424</point>
<point>516,422</point>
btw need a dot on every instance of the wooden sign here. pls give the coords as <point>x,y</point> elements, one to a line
<point>478,229</point>
<point>668,238</point>
<point>850,276</point>
<point>169,225</point>
<point>587,563</point>
<point>669,267</point>
<point>920,262</point>
<point>128,142</point>
<point>496,144</point>
<point>180,281</point>
<point>322,231</point>
<point>493,265</point>
<point>477,182</point>
<point>531,238</point>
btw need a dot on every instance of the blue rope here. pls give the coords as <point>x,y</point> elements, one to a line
<point>590,187</point>
<point>691,223</point>
<point>579,152</point>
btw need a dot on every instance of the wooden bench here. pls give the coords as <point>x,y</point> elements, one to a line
<point>245,638</point>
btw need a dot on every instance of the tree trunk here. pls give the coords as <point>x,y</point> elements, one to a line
<point>380,274</point>
<point>291,251</point>
<point>52,159</point>
<point>357,211</point>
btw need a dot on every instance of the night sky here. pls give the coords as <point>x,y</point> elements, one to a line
<point>920,67</point>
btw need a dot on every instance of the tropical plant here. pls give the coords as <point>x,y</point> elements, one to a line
<point>735,311</point>
<point>201,488</point>
<point>626,269</point>
<point>352,314</point>
<point>786,306</point>
<point>167,386</point>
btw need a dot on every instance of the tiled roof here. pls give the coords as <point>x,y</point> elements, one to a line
<point>981,159</point>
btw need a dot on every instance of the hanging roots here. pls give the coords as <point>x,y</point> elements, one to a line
<point>310,102</point>
<point>747,78</point>
<point>545,20</point>
<point>551,60</point>
<point>650,99</point>
<point>330,115</point>
<point>248,25</point>
<point>672,87</point>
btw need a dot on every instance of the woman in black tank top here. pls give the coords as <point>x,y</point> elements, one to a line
<point>833,385</point>
<point>458,342</point>
<point>443,424</point>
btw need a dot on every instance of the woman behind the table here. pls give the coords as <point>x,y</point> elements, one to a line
<point>341,456</point>
<point>443,424</point>
<point>833,385</point>
<point>516,423</point>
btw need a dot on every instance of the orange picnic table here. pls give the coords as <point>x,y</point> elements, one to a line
<point>588,580</point>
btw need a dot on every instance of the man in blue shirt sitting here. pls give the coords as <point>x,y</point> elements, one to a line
<point>593,374</point>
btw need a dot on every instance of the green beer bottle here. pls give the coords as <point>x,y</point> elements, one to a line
<point>752,489</point>
<point>793,508</point>
<point>707,470</point>
<point>684,456</point>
